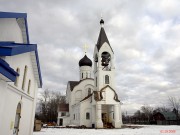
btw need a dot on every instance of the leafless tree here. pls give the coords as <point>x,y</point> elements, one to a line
<point>161,109</point>
<point>48,104</point>
<point>175,104</point>
<point>147,110</point>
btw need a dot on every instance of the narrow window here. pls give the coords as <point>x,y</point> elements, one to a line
<point>74,116</point>
<point>17,78</point>
<point>106,79</point>
<point>87,116</point>
<point>24,77</point>
<point>96,81</point>
<point>113,115</point>
<point>82,75</point>
<point>63,114</point>
<point>86,75</point>
<point>29,86</point>
<point>89,91</point>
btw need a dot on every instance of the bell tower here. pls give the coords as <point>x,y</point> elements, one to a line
<point>108,109</point>
<point>103,61</point>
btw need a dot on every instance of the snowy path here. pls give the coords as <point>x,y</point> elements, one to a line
<point>146,130</point>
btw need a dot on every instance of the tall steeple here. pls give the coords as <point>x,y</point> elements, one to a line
<point>104,81</point>
<point>102,36</point>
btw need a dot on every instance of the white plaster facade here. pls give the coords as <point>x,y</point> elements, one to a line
<point>13,93</point>
<point>94,102</point>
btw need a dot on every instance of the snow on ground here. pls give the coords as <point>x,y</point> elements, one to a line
<point>145,130</point>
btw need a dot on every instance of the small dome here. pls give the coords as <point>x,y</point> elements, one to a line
<point>85,61</point>
<point>101,21</point>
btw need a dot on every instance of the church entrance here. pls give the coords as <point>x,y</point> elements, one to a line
<point>104,119</point>
<point>17,120</point>
<point>60,122</point>
<point>107,116</point>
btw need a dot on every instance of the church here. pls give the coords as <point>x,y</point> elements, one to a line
<point>93,102</point>
<point>20,75</point>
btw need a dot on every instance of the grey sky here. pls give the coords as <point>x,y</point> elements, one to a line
<point>144,34</point>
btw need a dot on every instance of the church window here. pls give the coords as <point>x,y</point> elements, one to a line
<point>63,114</point>
<point>96,81</point>
<point>89,91</point>
<point>87,116</point>
<point>24,77</point>
<point>17,78</point>
<point>106,79</point>
<point>29,86</point>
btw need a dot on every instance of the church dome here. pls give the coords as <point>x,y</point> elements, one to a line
<point>85,61</point>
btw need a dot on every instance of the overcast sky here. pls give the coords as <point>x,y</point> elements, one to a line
<point>144,34</point>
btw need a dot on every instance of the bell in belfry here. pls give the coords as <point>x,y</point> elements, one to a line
<point>105,59</point>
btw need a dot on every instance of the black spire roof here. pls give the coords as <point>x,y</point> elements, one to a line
<point>85,61</point>
<point>102,37</point>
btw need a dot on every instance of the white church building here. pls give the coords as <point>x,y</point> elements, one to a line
<point>93,102</point>
<point>20,75</point>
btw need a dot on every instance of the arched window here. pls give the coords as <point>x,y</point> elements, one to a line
<point>24,77</point>
<point>106,79</point>
<point>87,116</point>
<point>29,86</point>
<point>17,118</point>
<point>89,91</point>
<point>17,78</point>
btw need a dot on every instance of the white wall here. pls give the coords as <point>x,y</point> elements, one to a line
<point>83,87</point>
<point>86,106</point>
<point>99,73</point>
<point>19,61</point>
<point>86,71</point>
<point>10,30</point>
<point>12,95</point>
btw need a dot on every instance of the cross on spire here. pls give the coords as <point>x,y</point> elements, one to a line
<point>101,21</point>
<point>85,47</point>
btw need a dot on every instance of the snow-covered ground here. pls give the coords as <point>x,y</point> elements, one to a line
<point>145,130</point>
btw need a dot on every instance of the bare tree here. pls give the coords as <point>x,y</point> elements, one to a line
<point>175,105</point>
<point>48,104</point>
<point>161,109</point>
<point>148,111</point>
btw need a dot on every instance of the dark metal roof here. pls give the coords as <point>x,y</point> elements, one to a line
<point>102,39</point>
<point>73,84</point>
<point>63,107</point>
<point>85,61</point>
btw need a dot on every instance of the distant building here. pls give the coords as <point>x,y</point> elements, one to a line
<point>165,118</point>
<point>93,102</point>
<point>20,75</point>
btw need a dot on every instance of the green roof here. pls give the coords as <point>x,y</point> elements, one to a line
<point>169,115</point>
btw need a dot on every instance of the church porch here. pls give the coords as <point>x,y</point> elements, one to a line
<point>108,116</point>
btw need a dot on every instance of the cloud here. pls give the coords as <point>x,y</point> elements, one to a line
<point>144,35</point>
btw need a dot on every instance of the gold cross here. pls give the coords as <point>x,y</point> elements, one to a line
<point>85,47</point>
